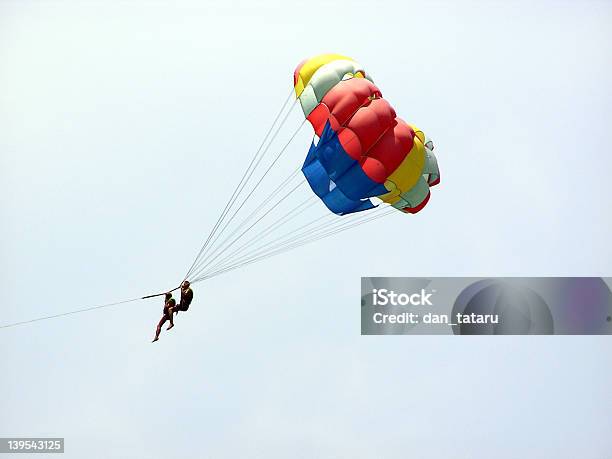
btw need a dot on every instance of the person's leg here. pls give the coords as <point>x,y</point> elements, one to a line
<point>170,318</point>
<point>159,326</point>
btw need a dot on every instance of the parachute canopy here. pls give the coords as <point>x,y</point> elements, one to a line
<point>361,150</point>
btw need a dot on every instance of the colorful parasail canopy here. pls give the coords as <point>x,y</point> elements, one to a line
<point>361,150</point>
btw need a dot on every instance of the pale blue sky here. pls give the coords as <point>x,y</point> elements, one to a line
<point>118,119</point>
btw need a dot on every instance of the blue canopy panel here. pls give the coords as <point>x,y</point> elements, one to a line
<point>337,178</point>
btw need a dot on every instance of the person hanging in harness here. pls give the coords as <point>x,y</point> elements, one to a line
<point>169,310</point>
<point>186,297</point>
